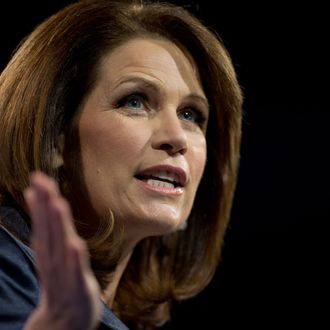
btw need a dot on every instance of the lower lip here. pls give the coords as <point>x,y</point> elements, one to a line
<point>178,191</point>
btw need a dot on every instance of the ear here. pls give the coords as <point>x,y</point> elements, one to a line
<point>58,152</point>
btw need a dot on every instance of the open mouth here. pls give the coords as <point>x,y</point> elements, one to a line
<point>162,179</point>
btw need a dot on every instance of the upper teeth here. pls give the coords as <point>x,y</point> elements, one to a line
<point>170,176</point>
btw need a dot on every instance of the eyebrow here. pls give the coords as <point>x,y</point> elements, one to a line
<point>141,81</point>
<point>198,98</point>
<point>151,85</point>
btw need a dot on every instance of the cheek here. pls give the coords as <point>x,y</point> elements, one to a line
<point>198,160</point>
<point>111,140</point>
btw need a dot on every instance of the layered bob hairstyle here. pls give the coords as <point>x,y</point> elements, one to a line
<point>41,92</point>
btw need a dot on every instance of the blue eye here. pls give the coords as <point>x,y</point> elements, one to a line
<point>134,101</point>
<point>192,115</point>
<point>188,115</point>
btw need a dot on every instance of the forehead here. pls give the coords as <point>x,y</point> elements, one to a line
<point>159,59</point>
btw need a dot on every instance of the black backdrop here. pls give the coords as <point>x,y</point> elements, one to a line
<point>273,265</point>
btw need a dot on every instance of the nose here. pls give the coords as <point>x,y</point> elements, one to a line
<point>169,135</point>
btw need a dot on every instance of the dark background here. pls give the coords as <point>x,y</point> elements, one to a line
<point>273,269</point>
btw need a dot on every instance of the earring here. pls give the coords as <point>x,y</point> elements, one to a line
<point>184,225</point>
<point>58,152</point>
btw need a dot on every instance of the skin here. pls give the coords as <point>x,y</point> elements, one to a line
<point>120,138</point>
<point>147,109</point>
<point>61,261</point>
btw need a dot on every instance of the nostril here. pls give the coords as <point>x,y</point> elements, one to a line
<point>173,149</point>
<point>166,146</point>
<point>171,141</point>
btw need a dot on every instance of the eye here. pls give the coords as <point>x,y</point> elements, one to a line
<point>192,115</point>
<point>136,101</point>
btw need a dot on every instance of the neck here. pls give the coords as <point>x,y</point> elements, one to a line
<point>127,246</point>
<point>108,295</point>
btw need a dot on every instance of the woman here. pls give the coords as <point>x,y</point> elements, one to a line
<point>135,111</point>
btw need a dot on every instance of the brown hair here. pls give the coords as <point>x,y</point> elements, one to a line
<point>41,91</point>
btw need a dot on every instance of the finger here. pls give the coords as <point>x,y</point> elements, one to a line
<point>62,256</point>
<point>63,239</point>
<point>87,288</point>
<point>38,198</point>
<point>49,188</point>
<point>57,242</point>
<point>42,180</point>
<point>78,257</point>
<point>61,235</point>
<point>39,230</point>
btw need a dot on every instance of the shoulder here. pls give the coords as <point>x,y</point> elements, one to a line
<point>19,290</point>
<point>110,321</point>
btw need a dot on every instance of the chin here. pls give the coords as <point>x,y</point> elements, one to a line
<point>167,226</point>
<point>156,226</point>
<point>154,221</point>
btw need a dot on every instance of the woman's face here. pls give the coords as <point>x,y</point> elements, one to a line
<point>142,135</point>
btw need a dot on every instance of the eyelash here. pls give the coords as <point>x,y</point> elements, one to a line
<point>200,118</point>
<point>122,103</point>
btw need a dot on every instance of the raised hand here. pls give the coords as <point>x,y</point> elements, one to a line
<point>70,297</point>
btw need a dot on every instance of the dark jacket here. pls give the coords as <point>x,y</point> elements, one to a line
<point>19,288</point>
